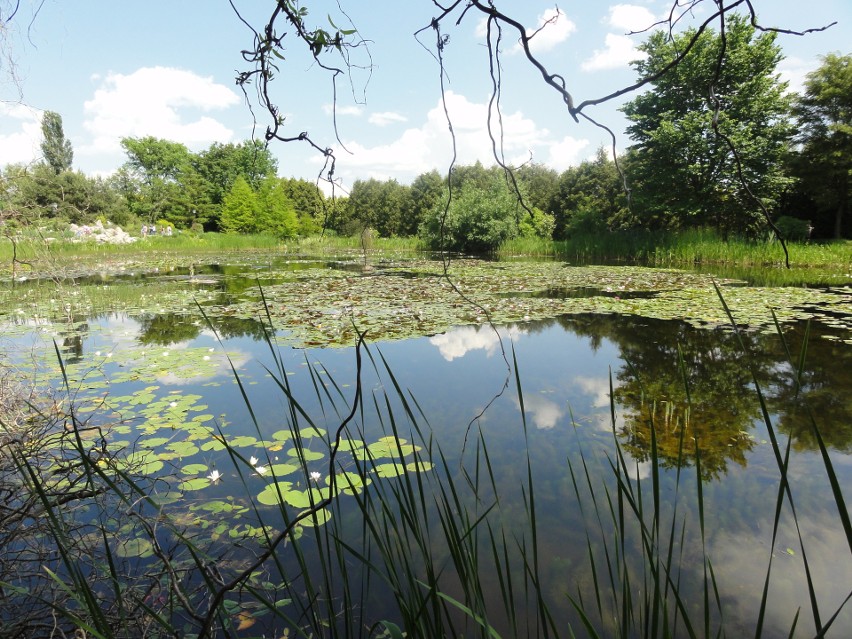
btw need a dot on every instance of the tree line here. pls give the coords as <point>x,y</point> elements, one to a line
<point>718,143</point>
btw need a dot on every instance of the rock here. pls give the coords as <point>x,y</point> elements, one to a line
<point>101,234</point>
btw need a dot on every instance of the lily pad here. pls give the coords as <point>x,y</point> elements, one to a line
<point>197,483</point>
<point>274,493</point>
<point>138,548</point>
<point>194,469</point>
<point>389,470</point>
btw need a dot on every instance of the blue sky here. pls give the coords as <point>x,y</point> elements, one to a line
<point>115,69</point>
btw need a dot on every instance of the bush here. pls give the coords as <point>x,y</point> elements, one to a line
<point>792,228</point>
<point>479,219</point>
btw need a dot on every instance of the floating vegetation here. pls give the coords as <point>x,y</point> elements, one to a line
<point>314,305</point>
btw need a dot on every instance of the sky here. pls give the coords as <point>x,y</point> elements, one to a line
<point>167,69</point>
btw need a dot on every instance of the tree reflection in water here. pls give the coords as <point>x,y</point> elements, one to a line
<point>695,386</point>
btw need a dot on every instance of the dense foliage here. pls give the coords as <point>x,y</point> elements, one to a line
<point>717,141</point>
<point>824,114</point>
<point>704,124</point>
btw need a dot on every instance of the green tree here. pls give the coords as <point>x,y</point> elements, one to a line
<point>221,164</point>
<point>55,147</point>
<point>540,185</point>
<point>479,218</point>
<point>155,158</point>
<point>160,182</point>
<point>824,116</point>
<point>590,198</point>
<point>377,204</point>
<point>427,189</point>
<point>70,196</point>
<point>240,209</point>
<point>308,202</point>
<point>685,174</point>
<point>275,212</point>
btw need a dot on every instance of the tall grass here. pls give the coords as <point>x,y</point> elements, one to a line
<point>436,551</point>
<point>683,247</point>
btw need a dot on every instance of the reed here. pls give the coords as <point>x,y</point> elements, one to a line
<point>683,248</point>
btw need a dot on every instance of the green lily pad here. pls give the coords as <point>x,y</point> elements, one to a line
<point>140,548</point>
<point>319,518</point>
<point>389,470</point>
<point>269,496</point>
<point>302,498</point>
<point>307,455</point>
<point>197,483</point>
<point>194,469</point>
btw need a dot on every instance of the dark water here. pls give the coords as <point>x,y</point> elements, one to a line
<point>566,366</point>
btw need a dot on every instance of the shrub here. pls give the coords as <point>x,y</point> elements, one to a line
<point>793,228</point>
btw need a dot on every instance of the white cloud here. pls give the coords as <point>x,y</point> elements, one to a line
<point>429,146</point>
<point>342,110</point>
<point>565,153</point>
<point>630,17</point>
<point>158,101</point>
<point>545,413</point>
<point>386,117</point>
<point>20,133</point>
<point>481,28</point>
<point>553,28</point>
<point>793,71</point>
<point>619,51</point>
<point>459,341</point>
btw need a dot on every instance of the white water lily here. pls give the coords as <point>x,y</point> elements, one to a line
<point>315,476</point>
<point>173,404</point>
<point>253,460</point>
<point>261,469</point>
<point>215,476</point>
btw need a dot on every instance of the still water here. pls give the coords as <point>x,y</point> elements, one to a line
<point>545,397</point>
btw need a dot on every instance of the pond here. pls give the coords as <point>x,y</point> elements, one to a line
<point>518,385</point>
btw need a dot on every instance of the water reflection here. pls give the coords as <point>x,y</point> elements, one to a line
<point>688,382</point>
<point>460,341</point>
<point>172,328</point>
<point>695,386</point>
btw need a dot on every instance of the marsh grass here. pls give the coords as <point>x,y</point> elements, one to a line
<point>680,248</point>
<point>414,554</point>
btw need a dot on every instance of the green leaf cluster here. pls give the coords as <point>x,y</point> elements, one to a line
<point>724,93</point>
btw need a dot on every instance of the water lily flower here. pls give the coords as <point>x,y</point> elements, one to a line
<point>253,460</point>
<point>315,476</point>
<point>261,469</point>
<point>215,476</point>
<point>173,404</point>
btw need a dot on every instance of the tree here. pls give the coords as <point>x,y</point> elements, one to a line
<point>590,198</point>
<point>824,116</point>
<point>240,209</point>
<point>309,203</point>
<point>36,192</point>
<point>160,182</point>
<point>55,147</point>
<point>427,189</point>
<point>479,219</point>
<point>155,158</point>
<point>723,96</point>
<point>377,204</point>
<point>221,164</point>
<point>275,212</point>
